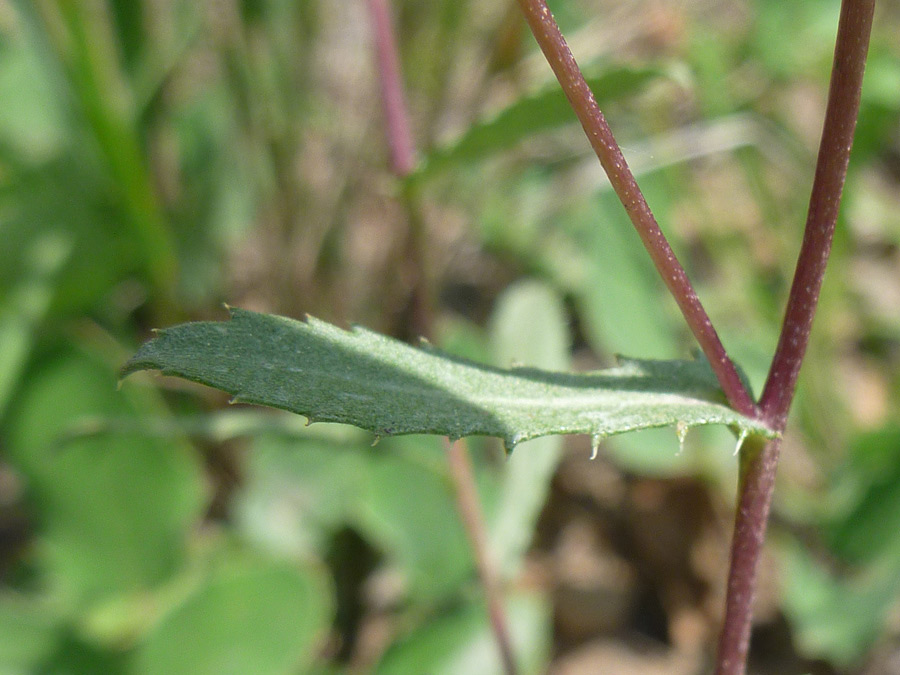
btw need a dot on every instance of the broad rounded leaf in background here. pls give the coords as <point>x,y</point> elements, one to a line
<point>261,618</point>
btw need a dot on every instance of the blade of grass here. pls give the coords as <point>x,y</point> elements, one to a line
<point>83,46</point>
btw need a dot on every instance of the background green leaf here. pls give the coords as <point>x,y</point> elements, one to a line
<point>462,642</point>
<point>530,115</point>
<point>253,617</point>
<point>114,508</point>
<point>517,338</point>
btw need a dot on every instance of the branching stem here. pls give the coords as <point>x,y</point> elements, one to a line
<point>759,461</point>
<point>560,58</point>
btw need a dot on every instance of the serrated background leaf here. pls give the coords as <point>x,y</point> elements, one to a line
<point>374,382</point>
<point>541,112</point>
<point>251,617</point>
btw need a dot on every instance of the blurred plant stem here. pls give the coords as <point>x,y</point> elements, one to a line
<point>473,521</point>
<point>759,460</point>
<point>270,80</point>
<point>402,148</point>
<point>396,116</point>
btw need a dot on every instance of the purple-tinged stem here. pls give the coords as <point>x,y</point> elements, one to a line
<point>403,160</point>
<point>759,460</point>
<point>403,156</point>
<point>560,58</point>
<point>851,48</point>
<point>470,510</point>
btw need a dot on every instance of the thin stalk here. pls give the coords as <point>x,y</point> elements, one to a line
<point>400,140</point>
<point>403,161</point>
<point>759,460</point>
<point>469,508</point>
<point>399,136</point>
<point>564,66</point>
<point>851,49</point>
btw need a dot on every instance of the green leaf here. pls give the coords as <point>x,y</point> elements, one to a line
<point>30,631</point>
<point>540,112</point>
<point>515,336</point>
<point>299,489</point>
<point>620,279</point>
<point>462,642</point>
<point>114,509</point>
<point>374,382</point>
<point>836,618</point>
<point>869,481</point>
<point>26,306</point>
<point>427,544</point>
<point>263,617</point>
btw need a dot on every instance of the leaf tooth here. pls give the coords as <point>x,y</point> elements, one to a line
<point>595,444</point>
<point>740,441</point>
<point>239,397</point>
<point>681,430</point>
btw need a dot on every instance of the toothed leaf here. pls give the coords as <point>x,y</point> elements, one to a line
<point>374,382</point>
<point>543,111</point>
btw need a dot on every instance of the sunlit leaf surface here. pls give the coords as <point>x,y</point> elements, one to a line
<point>374,382</point>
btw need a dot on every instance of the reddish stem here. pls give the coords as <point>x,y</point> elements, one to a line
<point>400,140</point>
<point>851,48</point>
<point>755,489</point>
<point>403,156</point>
<point>758,460</point>
<point>469,508</point>
<point>560,58</point>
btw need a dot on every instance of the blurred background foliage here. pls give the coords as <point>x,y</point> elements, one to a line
<point>161,157</point>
